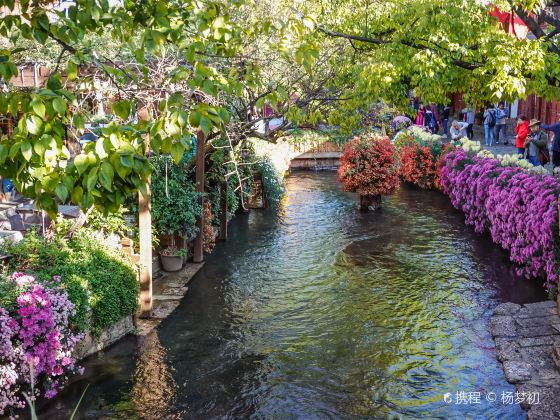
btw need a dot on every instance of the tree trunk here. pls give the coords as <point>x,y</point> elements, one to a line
<point>198,255</point>
<point>370,202</point>
<point>146,245</point>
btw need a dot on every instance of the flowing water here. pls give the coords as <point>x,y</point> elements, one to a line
<point>318,311</point>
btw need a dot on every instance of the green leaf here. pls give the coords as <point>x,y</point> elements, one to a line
<point>122,109</point>
<point>61,192</point>
<point>59,106</point>
<point>14,104</point>
<point>77,194</point>
<point>177,152</point>
<point>71,70</point>
<point>205,125</point>
<point>78,122</point>
<point>26,150</point>
<point>3,153</point>
<point>92,179</point>
<point>34,124</point>
<point>14,149</point>
<point>194,118</point>
<point>38,107</point>
<point>106,175</point>
<point>81,163</point>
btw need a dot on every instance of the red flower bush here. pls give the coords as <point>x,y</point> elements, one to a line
<point>368,166</point>
<point>418,165</point>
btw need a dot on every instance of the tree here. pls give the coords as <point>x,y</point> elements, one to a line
<point>437,47</point>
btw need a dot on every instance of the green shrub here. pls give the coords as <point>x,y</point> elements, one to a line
<point>273,184</point>
<point>100,279</point>
<point>174,199</point>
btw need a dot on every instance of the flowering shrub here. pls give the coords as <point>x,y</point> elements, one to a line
<point>401,122</point>
<point>209,236</point>
<point>100,280</point>
<point>517,207</point>
<point>418,153</point>
<point>368,166</point>
<point>418,165</point>
<point>35,334</point>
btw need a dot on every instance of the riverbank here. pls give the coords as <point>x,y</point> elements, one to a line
<point>169,290</point>
<point>527,341</point>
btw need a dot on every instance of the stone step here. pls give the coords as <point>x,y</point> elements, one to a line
<point>556,354</point>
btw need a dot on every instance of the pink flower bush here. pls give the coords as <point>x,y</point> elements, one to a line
<point>519,209</point>
<point>34,331</point>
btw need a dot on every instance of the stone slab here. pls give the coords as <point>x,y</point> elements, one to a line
<point>541,320</point>
<point>517,371</point>
<point>546,340</point>
<point>507,349</point>
<point>535,312</point>
<point>530,353</point>
<point>503,326</point>
<point>537,331</point>
<point>507,308</point>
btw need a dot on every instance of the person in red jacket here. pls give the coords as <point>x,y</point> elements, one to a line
<point>522,130</point>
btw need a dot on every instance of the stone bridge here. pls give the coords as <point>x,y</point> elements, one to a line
<point>315,155</point>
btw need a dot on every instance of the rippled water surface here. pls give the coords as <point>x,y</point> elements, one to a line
<point>317,310</point>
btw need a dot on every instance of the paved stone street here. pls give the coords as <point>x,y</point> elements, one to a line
<point>527,341</point>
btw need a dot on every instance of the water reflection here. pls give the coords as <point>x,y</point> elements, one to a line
<point>153,390</point>
<point>320,311</point>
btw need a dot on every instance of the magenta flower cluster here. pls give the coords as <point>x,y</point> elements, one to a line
<point>35,333</point>
<point>518,208</point>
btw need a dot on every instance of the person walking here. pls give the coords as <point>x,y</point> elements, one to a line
<point>522,130</point>
<point>437,117</point>
<point>502,115</point>
<point>469,119</point>
<point>537,143</point>
<point>430,121</point>
<point>555,128</point>
<point>445,120</point>
<point>457,130</point>
<point>420,115</point>
<point>489,124</point>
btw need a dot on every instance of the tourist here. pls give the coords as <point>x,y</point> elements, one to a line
<point>522,130</point>
<point>555,128</point>
<point>430,121</point>
<point>437,117</point>
<point>501,122</point>
<point>445,120</point>
<point>457,130</point>
<point>469,119</point>
<point>420,114</point>
<point>537,144</point>
<point>489,124</point>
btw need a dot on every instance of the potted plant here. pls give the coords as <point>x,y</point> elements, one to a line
<point>369,167</point>
<point>174,207</point>
<point>172,258</point>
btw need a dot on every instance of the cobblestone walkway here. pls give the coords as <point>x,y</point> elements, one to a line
<point>527,341</point>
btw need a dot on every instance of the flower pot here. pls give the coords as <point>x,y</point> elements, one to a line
<point>171,263</point>
<point>370,202</point>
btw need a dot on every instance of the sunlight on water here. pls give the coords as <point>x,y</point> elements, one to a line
<point>317,310</point>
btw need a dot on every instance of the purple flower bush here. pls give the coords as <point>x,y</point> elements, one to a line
<point>34,332</point>
<point>518,208</point>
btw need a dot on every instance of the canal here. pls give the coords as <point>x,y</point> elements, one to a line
<point>315,310</point>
